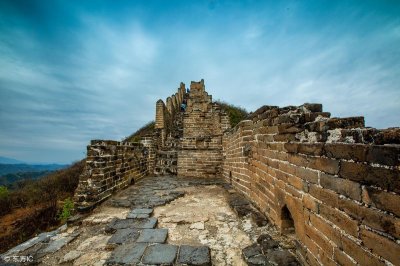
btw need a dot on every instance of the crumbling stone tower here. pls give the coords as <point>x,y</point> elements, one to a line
<point>200,151</point>
<point>189,143</point>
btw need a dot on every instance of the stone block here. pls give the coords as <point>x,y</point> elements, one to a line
<point>237,200</point>
<point>146,223</point>
<point>194,255</point>
<point>284,137</point>
<point>266,242</point>
<point>310,203</point>
<point>140,213</point>
<point>342,186</point>
<point>307,174</point>
<point>340,219</point>
<point>328,197</point>
<point>243,210</point>
<point>376,176</point>
<point>346,123</point>
<point>384,154</point>
<point>55,245</point>
<point>326,165</point>
<point>381,199</point>
<point>299,160</point>
<point>251,251</point>
<point>124,235</point>
<point>313,107</point>
<point>259,259</point>
<point>386,248</point>
<point>127,254</point>
<point>315,149</point>
<point>390,136</point>
<point>288,128</point>
<point>296,182</point>
<point>153,236</point>
<point>291,147</point>
<point>356,152</point>
<point>157,254</point>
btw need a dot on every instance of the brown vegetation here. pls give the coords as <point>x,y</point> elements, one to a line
<point>235,113</point>
<point>145,130</point>
<point>33,207</point>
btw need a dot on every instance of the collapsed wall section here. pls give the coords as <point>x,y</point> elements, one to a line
<point>332,181</point>
<point>110,166</point>
<point>200,150</point>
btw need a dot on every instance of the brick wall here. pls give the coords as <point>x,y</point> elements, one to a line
<point>334,181</point>
<point>110,166</point>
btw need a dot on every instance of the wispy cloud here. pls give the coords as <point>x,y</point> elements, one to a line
<point>75,71</point>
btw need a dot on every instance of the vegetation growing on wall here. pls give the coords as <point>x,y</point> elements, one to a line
<point>141,132</point>
<point>235,113</point>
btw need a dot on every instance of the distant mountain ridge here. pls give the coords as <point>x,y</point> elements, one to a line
<point>13,180</point>
<point>21,168</point>
<point>6,160</point>
<point>12,170</point>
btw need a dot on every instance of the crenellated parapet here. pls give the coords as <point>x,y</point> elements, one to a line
<point>160,115</point>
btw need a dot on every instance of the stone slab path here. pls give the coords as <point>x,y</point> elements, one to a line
<point>164,221</point>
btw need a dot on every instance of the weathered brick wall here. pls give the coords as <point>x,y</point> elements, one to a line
<point>332,181</point>
<point>336,182</point>
<point>110,166</point>
<point>200,150</point>
<point>200,156</point>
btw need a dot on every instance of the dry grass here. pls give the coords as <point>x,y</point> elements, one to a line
<point>33,208</point>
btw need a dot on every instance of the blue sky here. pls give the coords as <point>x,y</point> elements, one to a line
<point>71,71</point>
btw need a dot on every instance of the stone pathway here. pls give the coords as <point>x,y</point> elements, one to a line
<point>138,242</point>
<point>164,221</point>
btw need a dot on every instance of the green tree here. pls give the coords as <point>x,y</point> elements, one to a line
<point>4,193</point>
<point>4,200</point>
<point>67,210</point>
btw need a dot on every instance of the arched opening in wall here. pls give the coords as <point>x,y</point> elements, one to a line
<point>287,224</point>
<point>230,177</point>
<point>132,181</point>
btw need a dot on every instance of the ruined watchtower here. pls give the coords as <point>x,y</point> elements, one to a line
<point>200,152</point>
<point>190,141</point>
